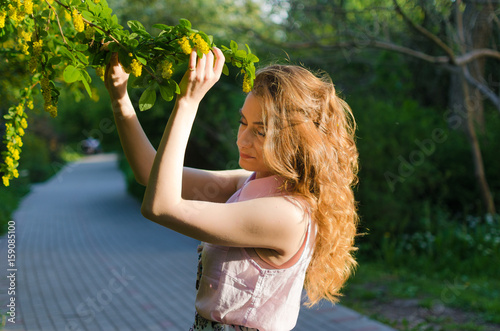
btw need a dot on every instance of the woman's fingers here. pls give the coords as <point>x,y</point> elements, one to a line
<point>192,62</point>
<point>219,62</point>
<point>212,62</point>
<point>209,65</point>
<point>202,74</point>
<point>200,67</point>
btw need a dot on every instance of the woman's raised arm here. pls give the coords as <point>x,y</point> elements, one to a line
<point>138,150</point>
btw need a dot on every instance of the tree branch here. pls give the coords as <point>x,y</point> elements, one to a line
<point>373,43</point>
<point>426,33</point>
<point>475,54</point>
<point>58,22</point>
<point>408,51</point>
<point>481,87</point>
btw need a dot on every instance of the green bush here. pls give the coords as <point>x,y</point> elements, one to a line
<point>418,194</point>
<point>446,246</point>
<point>10,198</point>
<point>37,158</point>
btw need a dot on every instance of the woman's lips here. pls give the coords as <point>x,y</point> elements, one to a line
<point>245,156</point>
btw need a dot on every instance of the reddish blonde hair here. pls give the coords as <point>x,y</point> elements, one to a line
<point>310,142</point>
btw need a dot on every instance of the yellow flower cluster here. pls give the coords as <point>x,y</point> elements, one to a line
<point>97,1</point>
<point>67,16</point>
<point>3,15</point>
<point>46,91</point>
<point>247,85</point>
<point>37,48</point>
<point>12,12</point>
<point>89,31</point>
<point>9,162</point>
<point>15,13</point>
<point>136,68</point>
<point>28,7</point>
<point>20,110</point>
<point>200,43</point>
<point>24,38</point>
<point>25,35</point>
<point>166,69</point>
<point>78,21</point>
<point>47,97</point>
<point>185,45</point>
<point>37,51</point>
<point>32,64</point>
<point>25,49</point>
<point>14,130</point>
<point>52,110</point>
<point>100,71</point>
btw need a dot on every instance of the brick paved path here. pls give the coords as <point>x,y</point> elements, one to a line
<point>86,259</point>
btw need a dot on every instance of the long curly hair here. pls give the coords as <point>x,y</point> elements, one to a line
<point>310,142</point>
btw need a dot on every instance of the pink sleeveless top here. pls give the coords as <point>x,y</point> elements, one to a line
<point>237,287</point>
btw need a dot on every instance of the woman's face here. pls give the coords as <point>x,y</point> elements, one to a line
<point>251,137</point>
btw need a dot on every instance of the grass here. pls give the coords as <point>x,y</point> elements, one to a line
<point>410,300</point>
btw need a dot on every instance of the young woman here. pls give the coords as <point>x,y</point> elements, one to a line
<point>286,220</point>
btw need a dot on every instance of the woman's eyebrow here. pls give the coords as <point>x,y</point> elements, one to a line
<point>256,123</point>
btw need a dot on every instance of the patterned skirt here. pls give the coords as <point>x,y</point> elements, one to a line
<point>202,324</point>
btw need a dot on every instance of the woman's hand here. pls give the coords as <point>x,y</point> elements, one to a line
<point>115,79</point>
<point>201,76</point>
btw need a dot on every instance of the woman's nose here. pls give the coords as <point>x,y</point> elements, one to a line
<point>243,139</point>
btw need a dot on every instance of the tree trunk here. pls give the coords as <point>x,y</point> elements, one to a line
<point>475,149</point>
<point>477,32</point>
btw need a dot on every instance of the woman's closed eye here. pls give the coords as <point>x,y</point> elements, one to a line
<point>257,132</point>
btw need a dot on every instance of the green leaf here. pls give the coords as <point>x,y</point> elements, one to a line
<point>67,54</point>
<point>86,76</point>
<point>225,70</point>
<point>185,23</point>
<point>177,88</point>
<point>136,25</point>
<point>166,93</point>
<point>234,46</point>
<point>133,43</point>
<point>55,60</point>
<point>71,74</point>
<point>87,87</point>
<point>240,54</point>
<point>162,27</point>
<point>82,58</point>
<point>88,15</point>
<point>148,99</point>
<point>81,47</point>
<point>138,28</point>
<point>91,5</point>
<point>141,81</point>
<point>252,58</point>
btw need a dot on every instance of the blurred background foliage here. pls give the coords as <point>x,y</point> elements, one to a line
<point>432,219</point>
